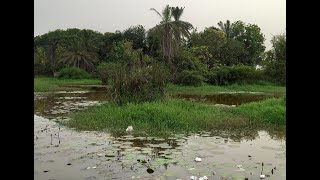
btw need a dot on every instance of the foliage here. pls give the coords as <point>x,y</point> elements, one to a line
<point>137,35</point>
<point>233,53</point>
<point>106,70</point>
<point>275,62</point>
<point>123,53</point>
<point>41,65</point>
<point>226,28</point>
<point>78,55</point>
<point>240,74</point>
<point>66,39</point>
<point>171,32</point>
<point>153,43</point>
<point>211,37</point>
<point>203,54</point>
<point>187,55</point>
<point>252,38</point>
<point>135,76</point>
<point>187,65</point>
<point>139,84</point>
<point>73,73</point>
<point>190,77</point>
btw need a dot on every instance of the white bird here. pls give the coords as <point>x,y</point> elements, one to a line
<point>197,159</point>
<point>262,176</point>
<point>129,128</point>
<point>193,177</point>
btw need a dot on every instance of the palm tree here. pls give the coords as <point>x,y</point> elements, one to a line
<point>171,32</point>
<point>225,27</point>
<point>79,57</point>
<point>181,28</point>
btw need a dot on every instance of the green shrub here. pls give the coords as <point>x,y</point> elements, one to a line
<point>105,71</point>
<point>188,77</point>
<point>275,72</point>
<point>73,73</point>
<point>139,84</point>
<point>239,74</point>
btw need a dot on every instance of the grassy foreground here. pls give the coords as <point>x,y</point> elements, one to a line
<point>210,89</point>
<point>181,116</point>
<point>45,84</point>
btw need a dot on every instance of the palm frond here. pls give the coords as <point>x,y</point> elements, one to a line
<point>152,9</point>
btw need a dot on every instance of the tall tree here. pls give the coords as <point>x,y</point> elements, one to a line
<point>252,38</point>
<point>171,31</point>
<point>181,28</point>
<point>226,28</point>
<point>78,56</point>
<point>137,35</point>
<point>275,61</point>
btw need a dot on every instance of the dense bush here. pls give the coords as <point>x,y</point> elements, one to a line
<point>73,73</point>
<point>275,72</point>
<point>240,74</point>
<point>189,68</point>
<point>188,77</point>
<point>139,84</point>
<point>105,71</point>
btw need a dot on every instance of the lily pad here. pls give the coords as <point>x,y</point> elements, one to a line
<point>116,145</point>
<point>141,138</point>
<point>125,147</point>
<point>154,145</point>
<point>165,147</point>
<point>127,143</point>
<point>233,146</point>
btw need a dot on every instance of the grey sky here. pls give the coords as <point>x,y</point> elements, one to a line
<point>111,15</point>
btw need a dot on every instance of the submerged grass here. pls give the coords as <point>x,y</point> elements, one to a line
<point>181,116</point>
<point>210,89</point>
<point>45,84</point>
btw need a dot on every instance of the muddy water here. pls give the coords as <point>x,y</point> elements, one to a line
<point>56,104</point>
<point>63,153</point>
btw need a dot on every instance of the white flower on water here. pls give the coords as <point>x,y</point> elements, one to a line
<point>240,168</point>
<point>129,128</point>
<point>197,159</point>
<point>262,176</point>
<point>203,178</point>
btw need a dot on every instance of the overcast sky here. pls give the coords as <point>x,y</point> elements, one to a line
<point>112,15</point>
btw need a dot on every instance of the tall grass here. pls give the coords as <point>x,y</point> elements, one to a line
<point>210,89</point>
<point>180,116</point>
<point>44,84</point>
